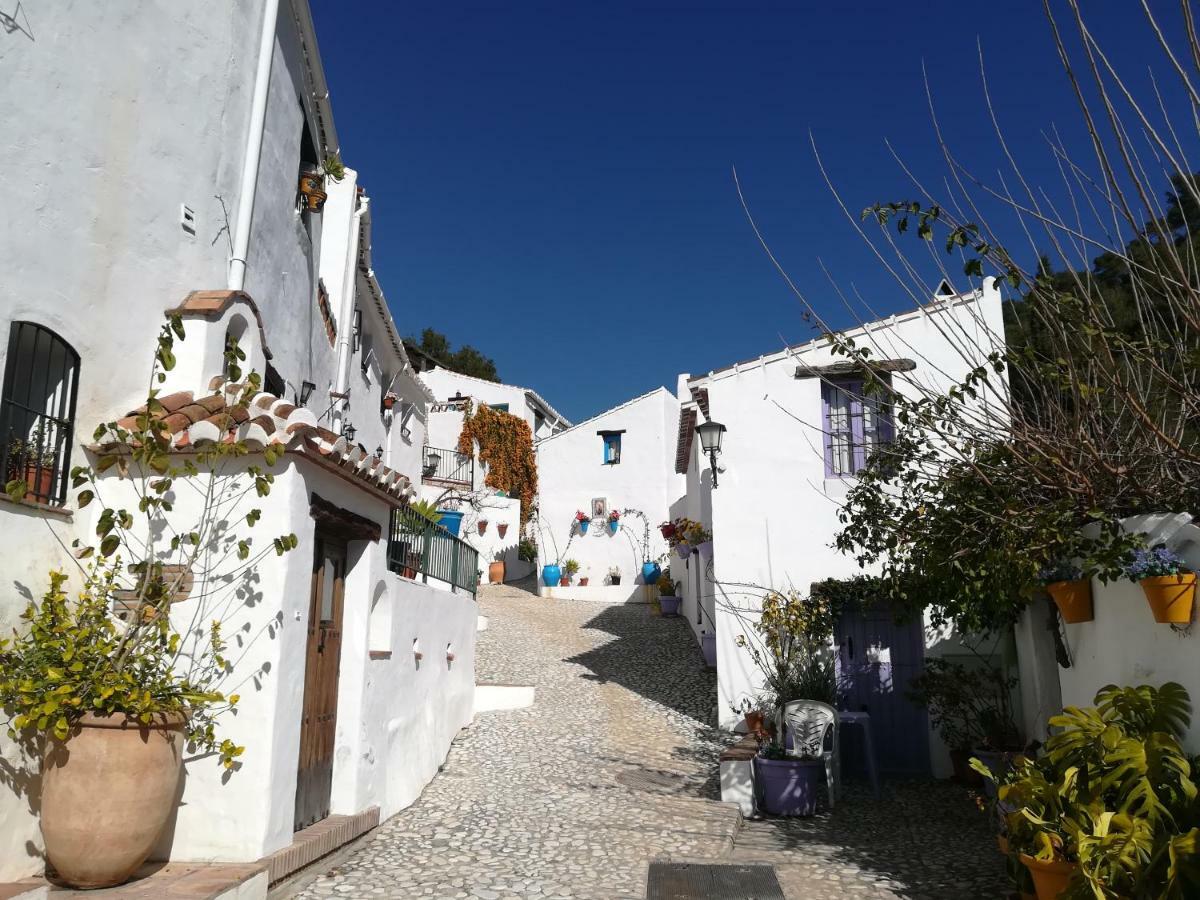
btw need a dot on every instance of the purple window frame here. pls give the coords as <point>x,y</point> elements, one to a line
<point>857,435</point>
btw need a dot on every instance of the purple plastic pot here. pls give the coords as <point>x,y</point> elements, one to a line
<point>704,548</point>
<point>789,787</point>
<point>669,605</point>
<point>683,550</point>
<point>708,646</point>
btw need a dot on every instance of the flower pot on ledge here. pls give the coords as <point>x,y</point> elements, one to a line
<point>1073,598</point>
<point>1170,597</point>
<point>583,582</point>
<point>565,581</point>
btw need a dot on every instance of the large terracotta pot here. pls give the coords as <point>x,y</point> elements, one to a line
<point>107,792</point>
<point>496,572</point>
<point>1170,597</point>
<point>1050,878</point>
<point>1074,599</point>
<point>39,484</point>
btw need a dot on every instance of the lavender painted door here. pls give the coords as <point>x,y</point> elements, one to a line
<point>877,659</point>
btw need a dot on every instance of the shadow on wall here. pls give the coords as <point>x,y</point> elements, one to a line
<point>654,657</point>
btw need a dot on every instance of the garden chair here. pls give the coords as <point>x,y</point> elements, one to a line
<point>810,722</point>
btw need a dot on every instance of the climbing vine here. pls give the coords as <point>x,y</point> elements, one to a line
<point>506,448</point>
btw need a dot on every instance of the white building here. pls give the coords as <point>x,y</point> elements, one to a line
<point>491,521</point>
<point>621,459</point>
<point>171,188</point>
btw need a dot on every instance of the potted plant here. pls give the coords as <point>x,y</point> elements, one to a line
<point>527,551</point>
<point>570,567</point>
<point>582,521</point>
<point>614,522</point>
<point>389,400</point>
<point>312,187</point>
<point>668,530</point>
<point>34,463</point>
<point>668,600</point>
<point>1109,808</point>
<point>754,716</point>
<point>334,168</point>
<point>496,568</point>
<point>789,784</point>
<point>650,572</point>
<point>583,580</point>
<point>700,539</point>
<point>502,529</point>
<point>552,575</point>
<point>1169,586</point>
<point>1071,591</point>
<point>614,575</point>
<point>481,525</point>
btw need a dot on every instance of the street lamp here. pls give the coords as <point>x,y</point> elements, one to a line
<point>711,434</point>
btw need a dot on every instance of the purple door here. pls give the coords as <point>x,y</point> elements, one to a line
<point>877,659</point>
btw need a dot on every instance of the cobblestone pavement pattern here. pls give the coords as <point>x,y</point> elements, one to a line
<point>615,765</point>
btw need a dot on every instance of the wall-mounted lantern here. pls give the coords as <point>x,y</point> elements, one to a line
<point>348,432</point>
<point>306,390</point>
<point>711,433</point>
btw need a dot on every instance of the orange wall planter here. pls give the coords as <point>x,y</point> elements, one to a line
<point>1170,597</point>
<point>1074,599</point>
<point>496,572</point>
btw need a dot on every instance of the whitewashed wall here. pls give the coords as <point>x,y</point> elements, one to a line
<point>446,384</point>
<point>774,513</point>
<point>1123,645</point>
<point>571,472</point>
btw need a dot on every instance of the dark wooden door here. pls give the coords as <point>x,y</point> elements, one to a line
<point>318,728</point>
<point>877,660</point>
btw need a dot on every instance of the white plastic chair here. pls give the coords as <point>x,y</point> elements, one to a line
<point>810,722</point>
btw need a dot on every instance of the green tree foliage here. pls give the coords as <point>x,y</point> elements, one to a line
<point>466,360</point>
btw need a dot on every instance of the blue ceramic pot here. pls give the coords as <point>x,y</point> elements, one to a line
<point>551,576</point>
<point>613,527</point>
<point>650,572</point>
<point>583,524</point>
<point>451,520</point>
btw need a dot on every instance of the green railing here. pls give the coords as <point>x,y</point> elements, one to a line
<point>419,547</point>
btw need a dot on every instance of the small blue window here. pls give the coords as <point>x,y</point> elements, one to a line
<point>499,407</point>
<point>612,449</point>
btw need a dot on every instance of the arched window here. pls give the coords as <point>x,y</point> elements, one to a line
<point>37,411</point>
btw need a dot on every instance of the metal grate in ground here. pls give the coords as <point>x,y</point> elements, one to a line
<point>692,881</point>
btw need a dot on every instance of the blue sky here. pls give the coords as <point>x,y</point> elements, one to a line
<point>551,182</point>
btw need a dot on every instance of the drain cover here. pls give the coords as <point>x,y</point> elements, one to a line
<point>688,881</point>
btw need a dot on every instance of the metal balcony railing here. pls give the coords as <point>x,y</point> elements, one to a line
<point>419,547</point>
<point>35,448</point>
<point>447,467</point>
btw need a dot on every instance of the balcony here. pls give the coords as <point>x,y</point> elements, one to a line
<point>419,548</point>
<point>447,468</point>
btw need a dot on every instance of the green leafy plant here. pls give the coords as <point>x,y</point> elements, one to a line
<point>72,656</point>
<point>334,168</point>
<point>970,706</point>
<point>527,550</point>
<point>666,587</point>
<point>425,509</point>
<point>789,642</point>
<point>1114,792</point>
<point>570,567</point>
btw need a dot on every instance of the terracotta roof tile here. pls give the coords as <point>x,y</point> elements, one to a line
<point>212,305</point>
<point>683,441</point>
<point>270,420</point>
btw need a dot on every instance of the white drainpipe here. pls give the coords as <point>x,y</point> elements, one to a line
<point>346,315</point>
<point>254,140</point>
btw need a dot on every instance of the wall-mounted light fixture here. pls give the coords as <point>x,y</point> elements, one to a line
<point>306,389</point>
<point>379,451</point>
<point>711,434</point>
<point>357,329</point>
<point>348,432</point>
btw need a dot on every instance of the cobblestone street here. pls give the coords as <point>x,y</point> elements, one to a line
<point>615,765</point>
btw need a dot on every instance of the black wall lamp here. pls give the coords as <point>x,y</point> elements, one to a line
<point>711,433</point>
<point>306,389</point>
<point>348,432</point>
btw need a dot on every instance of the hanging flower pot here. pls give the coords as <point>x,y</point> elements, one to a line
<point>613,527</point>
<point>1074,599</point>
<point>1050,876</point>
<point>1170,597</point>
<point>704,548</point>
<point>650,572</point>
<point>684,549</point>
<point>502,528</point>
<point>389,400</point>
<point>312,189</point>
<point>482,525</point>
<point>668,530</point>
<point>583,526</point>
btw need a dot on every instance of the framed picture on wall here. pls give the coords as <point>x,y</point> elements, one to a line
<point>599,508</point>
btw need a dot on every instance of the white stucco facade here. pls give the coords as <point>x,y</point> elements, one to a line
<point>543,419</point>
<point>573,472</point>
<point>160,117</point>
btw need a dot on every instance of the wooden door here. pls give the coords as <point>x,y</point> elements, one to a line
<point>877,660</point>
<point>318,727</point>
